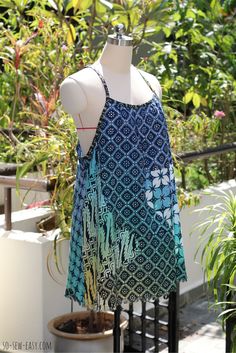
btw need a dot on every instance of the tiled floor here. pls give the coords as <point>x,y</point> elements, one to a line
<point>199,330</point>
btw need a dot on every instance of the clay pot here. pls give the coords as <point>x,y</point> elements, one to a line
<point>101,342</point>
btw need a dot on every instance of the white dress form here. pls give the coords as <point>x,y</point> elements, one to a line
<point>83,96</point>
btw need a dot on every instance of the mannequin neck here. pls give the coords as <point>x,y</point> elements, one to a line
<point>116,58</point>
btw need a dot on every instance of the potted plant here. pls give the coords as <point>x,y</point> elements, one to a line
<point>86,331</point>
<point>218,256</point>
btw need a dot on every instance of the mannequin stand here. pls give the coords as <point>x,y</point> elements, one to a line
<point>116,330</point>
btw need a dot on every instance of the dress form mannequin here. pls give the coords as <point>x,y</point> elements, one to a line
<point>125,239</point>
<point>82,93</point>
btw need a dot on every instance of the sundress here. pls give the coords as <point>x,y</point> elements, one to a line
<point>126,239</point>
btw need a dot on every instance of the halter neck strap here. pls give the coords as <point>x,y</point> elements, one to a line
<point>101,78</point>
<point>147,82</point>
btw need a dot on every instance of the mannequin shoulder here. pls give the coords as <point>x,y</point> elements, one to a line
<point>77,89</point>
<point>72,94</point>
<point>153,81</point>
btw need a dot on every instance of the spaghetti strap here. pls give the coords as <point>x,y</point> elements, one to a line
<point>146,82</point>
<point>101,78</point>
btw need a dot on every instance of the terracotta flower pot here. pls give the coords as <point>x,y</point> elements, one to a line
<point>101,342</point>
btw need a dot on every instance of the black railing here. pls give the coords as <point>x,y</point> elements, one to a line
<point>156,328</point>
<point>186,158</point>
<point>230,322</point>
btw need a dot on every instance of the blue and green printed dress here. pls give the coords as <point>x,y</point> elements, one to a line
<point>126,242</point>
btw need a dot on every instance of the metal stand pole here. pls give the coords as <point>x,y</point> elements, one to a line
<point>143,327</point>
<point>116,330</point>
<point>229,329</point>
<point>71,305</point>
<point>7,208</point>
<point>229,325</point>
<point>173,324</point>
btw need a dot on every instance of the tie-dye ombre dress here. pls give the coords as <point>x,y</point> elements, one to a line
<point>126,242</point>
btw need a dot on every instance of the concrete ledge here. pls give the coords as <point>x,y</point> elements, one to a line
<point>30,297</point>
<point>192,295</point>
<point>25,220</point>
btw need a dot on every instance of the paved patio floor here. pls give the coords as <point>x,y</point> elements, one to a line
<point>199,330</point>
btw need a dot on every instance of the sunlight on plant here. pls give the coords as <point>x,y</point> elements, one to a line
<point>188,46</point>
<point>217,243</point>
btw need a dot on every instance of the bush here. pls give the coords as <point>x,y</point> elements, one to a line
<point>189,46</point>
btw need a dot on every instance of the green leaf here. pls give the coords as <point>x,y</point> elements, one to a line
<point>176,16</point>
<point>118,7</point>
<point>53,4</point>
<point>213,3</point>
<point>179,33</point>
<point>107,4</point>
<point>71,35</point>
<point>84,4</point>
<point>188,97</point>
<point>227,311</point>
<point>100,8</point>
<point>68,5</point>
<point>174,56</point>
<point>168,83</point>
<point>201,13</point>
<point>21,4</point>
<point>167,31</point>
<point>190,14</point>
<point>4,121</point>
<point>210,42</point>
<point>196,100</point>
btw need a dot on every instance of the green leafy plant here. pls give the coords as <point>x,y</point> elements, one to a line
<point>195,64</point>
<point>218,243</point>
<point>217,234</point>
<point>51,40</point>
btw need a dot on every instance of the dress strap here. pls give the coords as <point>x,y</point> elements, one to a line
<point>146,81</point>
<point>102,79</point>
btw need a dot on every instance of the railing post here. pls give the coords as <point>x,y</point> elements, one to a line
<point>117,330</point>
<point>7,208</point>
<point>156,325</point>
<point>183,182</point>
<point>173,321</point>
<point>229,326</point>
<point>143,327</point>
<point>131,324</point>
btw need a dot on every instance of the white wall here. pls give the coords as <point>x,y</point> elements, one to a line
<point>29,297</point>
<point>188,220</point>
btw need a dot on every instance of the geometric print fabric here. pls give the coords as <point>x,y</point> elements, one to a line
<point>126,241</point>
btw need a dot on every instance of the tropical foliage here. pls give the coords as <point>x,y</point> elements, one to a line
<point>188,45</point>
<point>218,253</point>
<point>218,243</point>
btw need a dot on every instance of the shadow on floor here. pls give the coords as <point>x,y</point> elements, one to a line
<point>199,330</point>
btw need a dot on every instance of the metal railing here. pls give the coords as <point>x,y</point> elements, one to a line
<point>154,333</point>
<point>189,157</point>
<point>8,180</point>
